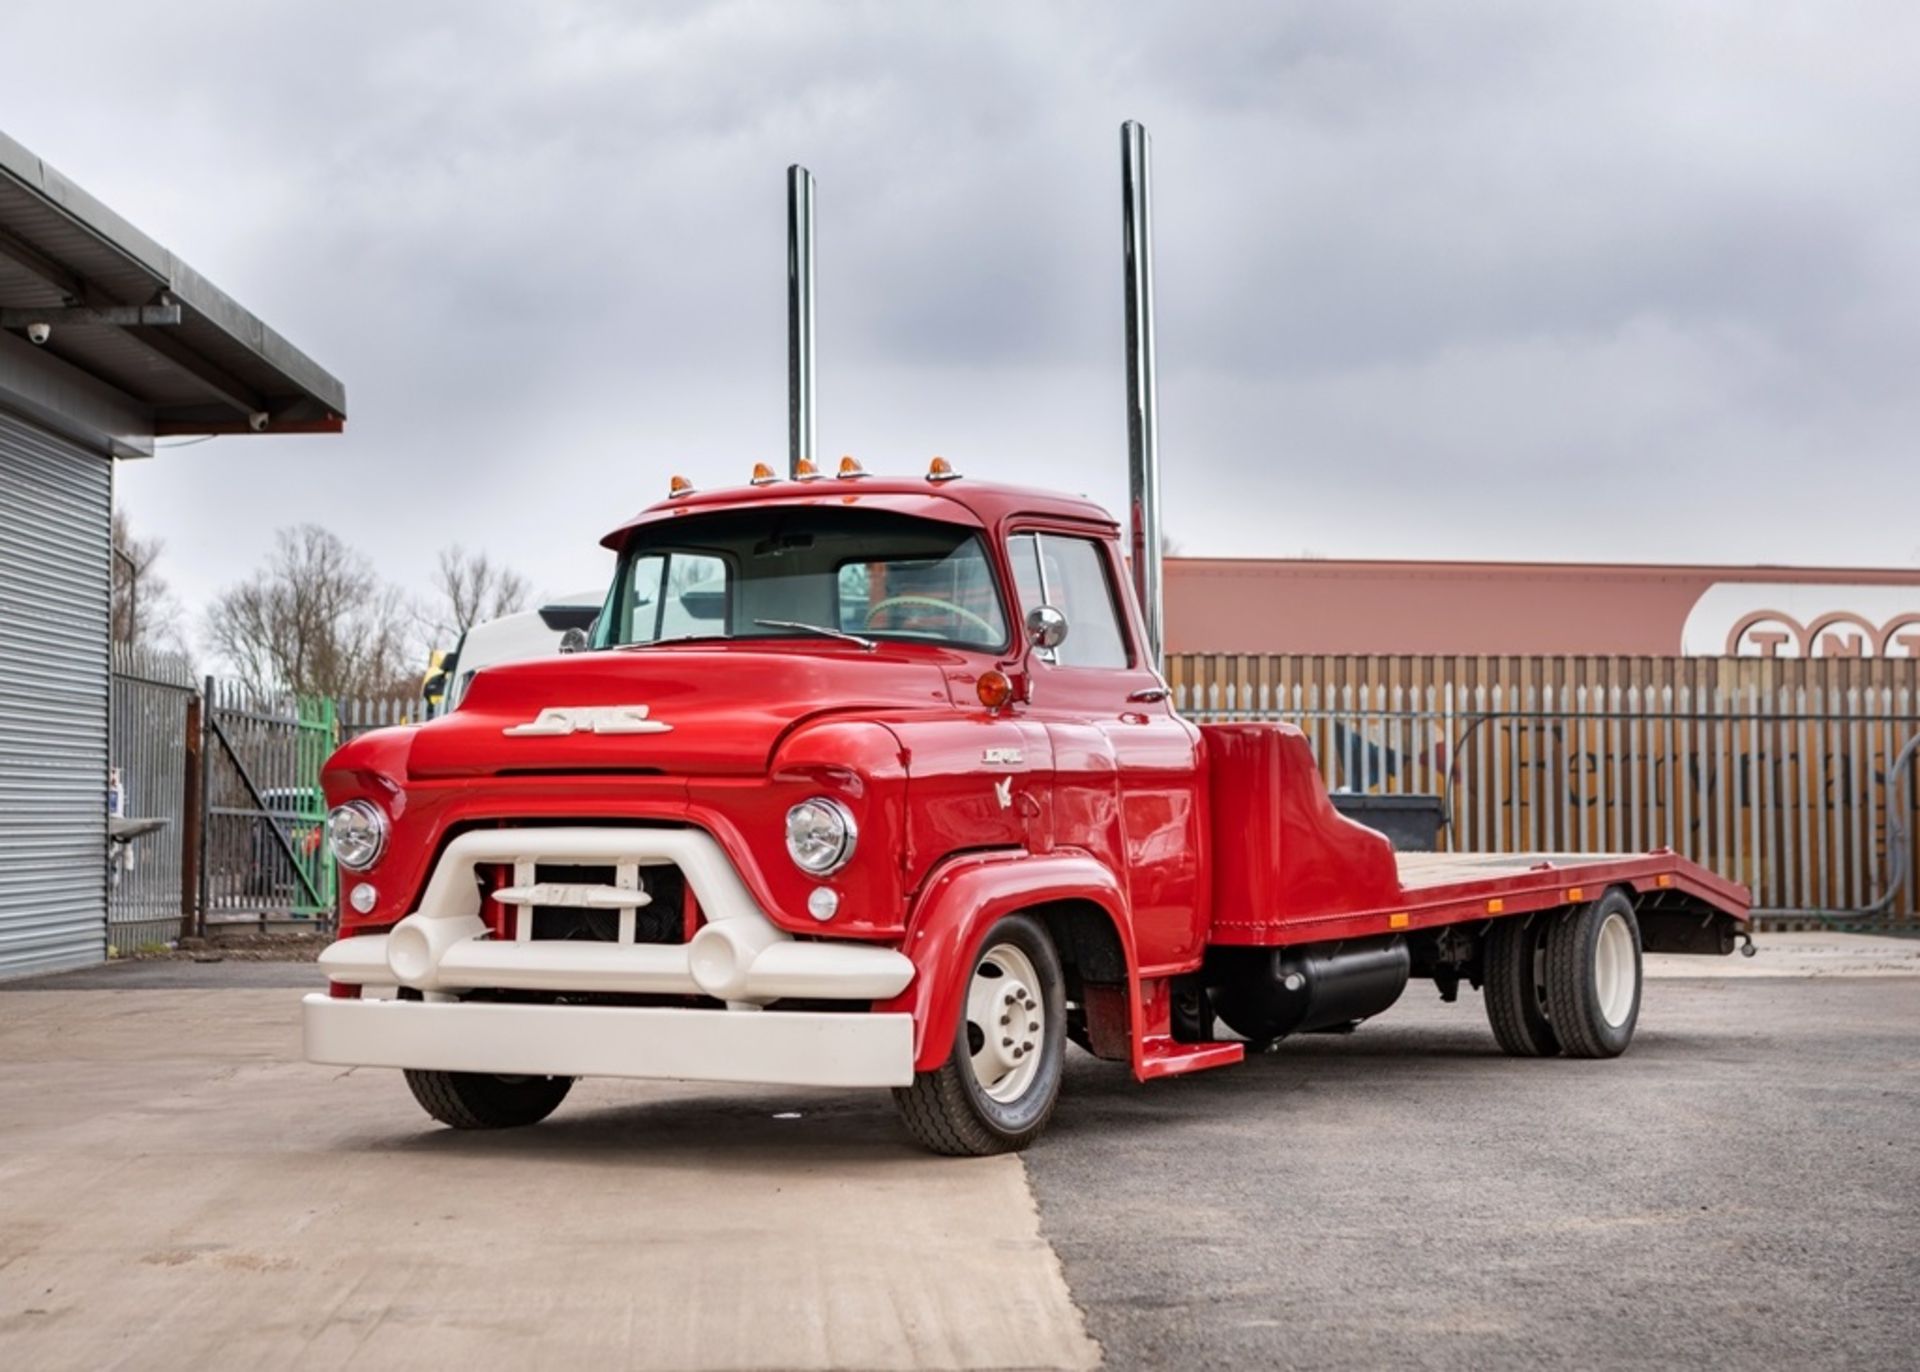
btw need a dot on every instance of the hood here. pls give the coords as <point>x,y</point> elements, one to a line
<point>713,711</point>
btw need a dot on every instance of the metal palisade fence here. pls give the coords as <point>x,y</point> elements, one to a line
<point>264,860</point>
<point>153,707</point>
<point>262,852</point>
<point>1793,776</point>
<point>214,790</point>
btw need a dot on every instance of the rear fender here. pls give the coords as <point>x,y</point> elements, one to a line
<point>955,910</point>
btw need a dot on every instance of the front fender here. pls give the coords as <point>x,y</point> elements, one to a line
<point>955,910</point>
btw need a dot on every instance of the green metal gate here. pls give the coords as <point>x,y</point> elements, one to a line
<point>263,853</point>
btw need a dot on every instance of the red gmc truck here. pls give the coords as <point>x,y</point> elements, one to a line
<point>870,781</point>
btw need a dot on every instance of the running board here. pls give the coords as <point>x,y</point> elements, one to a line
<point>1171,1058</point>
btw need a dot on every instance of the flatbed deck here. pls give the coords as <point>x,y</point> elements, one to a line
<point>1422,871</point>
<point>1457,888</point>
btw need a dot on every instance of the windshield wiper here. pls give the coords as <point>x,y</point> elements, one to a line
<point>821,629</point>
<point>678,638</point>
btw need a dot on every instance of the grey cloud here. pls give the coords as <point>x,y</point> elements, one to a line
<point>1418,266</point>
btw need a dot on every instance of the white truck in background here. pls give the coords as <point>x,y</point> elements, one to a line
<point>510,638</point>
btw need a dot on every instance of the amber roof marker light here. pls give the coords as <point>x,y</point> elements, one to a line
<point>763,475</point>
<point>678,487</point>
<point>941,470</point>
<point>851,470</point>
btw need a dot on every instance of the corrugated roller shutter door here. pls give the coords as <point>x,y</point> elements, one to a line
<point>55,520</point>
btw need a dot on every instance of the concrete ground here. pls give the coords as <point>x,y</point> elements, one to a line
<point>179,1189</point>
<point>1743,1188</point>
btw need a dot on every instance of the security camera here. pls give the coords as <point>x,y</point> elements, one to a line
<point>39,333</point>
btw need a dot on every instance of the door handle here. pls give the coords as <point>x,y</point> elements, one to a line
<point>1146,693</point>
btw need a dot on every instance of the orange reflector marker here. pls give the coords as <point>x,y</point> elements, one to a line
<point>1397,921</point>
<point>850,469</point>
<point>1664,879</point>
<point>994,689</point>
<point>678,487</point>
<point>1496,905</point>
<point>763,474</point>
<point>941,470</point>
<point>1576,894</point>
<point>804,470</point>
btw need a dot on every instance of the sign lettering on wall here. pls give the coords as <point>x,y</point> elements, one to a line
<point>1801,619</point>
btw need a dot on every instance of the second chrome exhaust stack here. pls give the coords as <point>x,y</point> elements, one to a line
<point>1143,431</point>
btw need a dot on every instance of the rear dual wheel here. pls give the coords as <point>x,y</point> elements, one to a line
<point>1515,983</point>
<point>1566,981</point>
<point>1593,977</point>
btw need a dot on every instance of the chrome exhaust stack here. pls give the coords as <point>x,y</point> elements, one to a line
<point>1143,431</point>
<point>800,422</point>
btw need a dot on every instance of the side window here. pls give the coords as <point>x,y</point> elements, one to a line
<point>1070,574</point>
<point>676,595</point>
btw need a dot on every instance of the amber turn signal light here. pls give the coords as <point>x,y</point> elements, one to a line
<point>994,689</point>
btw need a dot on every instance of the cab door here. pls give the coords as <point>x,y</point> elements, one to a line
<point>1127,777</point>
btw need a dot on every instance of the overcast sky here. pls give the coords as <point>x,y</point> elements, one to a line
<point>1612,281</point>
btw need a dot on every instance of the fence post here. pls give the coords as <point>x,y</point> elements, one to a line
<point>206,802</point>
<point>191,906</point>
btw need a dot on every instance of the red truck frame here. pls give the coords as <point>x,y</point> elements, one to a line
<point>873,781</point>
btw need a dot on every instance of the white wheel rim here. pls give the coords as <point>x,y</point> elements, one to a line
<point>1008,1021</point>
<point>1616,973</point>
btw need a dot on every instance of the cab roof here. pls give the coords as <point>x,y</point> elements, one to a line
<point>955,500</point>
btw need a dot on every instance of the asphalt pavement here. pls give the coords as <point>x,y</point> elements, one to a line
<point>1742,1189</point>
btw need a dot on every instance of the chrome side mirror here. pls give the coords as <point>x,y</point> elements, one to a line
<point>1046,628</point>
<point>574,640</point>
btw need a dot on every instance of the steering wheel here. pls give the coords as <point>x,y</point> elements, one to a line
<point>932,603</point>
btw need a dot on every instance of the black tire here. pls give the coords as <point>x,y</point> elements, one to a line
<point>948,1110</point>
<point>1515,988</point>
<point>477,1100</point>
<point>1593,976</point>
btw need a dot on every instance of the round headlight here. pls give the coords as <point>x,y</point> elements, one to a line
<point>820,835</point>
<point>357,833</point>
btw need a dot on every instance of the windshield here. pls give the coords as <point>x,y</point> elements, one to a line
<point>776,573</point>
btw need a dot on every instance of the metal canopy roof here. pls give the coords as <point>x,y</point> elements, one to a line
<point>218,370</point>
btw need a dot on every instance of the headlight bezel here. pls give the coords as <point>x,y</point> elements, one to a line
<point>841,837</point>
<point>370,820</point>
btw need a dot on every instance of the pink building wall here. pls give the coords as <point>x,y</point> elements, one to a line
<point>1255,605</point>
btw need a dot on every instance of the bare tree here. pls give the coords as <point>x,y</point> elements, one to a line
<point>471,589</point>
<point>315,619</point>
<point>145,613</point>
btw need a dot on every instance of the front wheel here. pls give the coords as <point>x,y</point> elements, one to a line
<point>997,1089</point>
<point>480,1100</point>
<point>1593,977</point>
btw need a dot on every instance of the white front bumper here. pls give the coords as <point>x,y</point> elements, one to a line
<point>803,1048</point>
<point>738,956</point>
